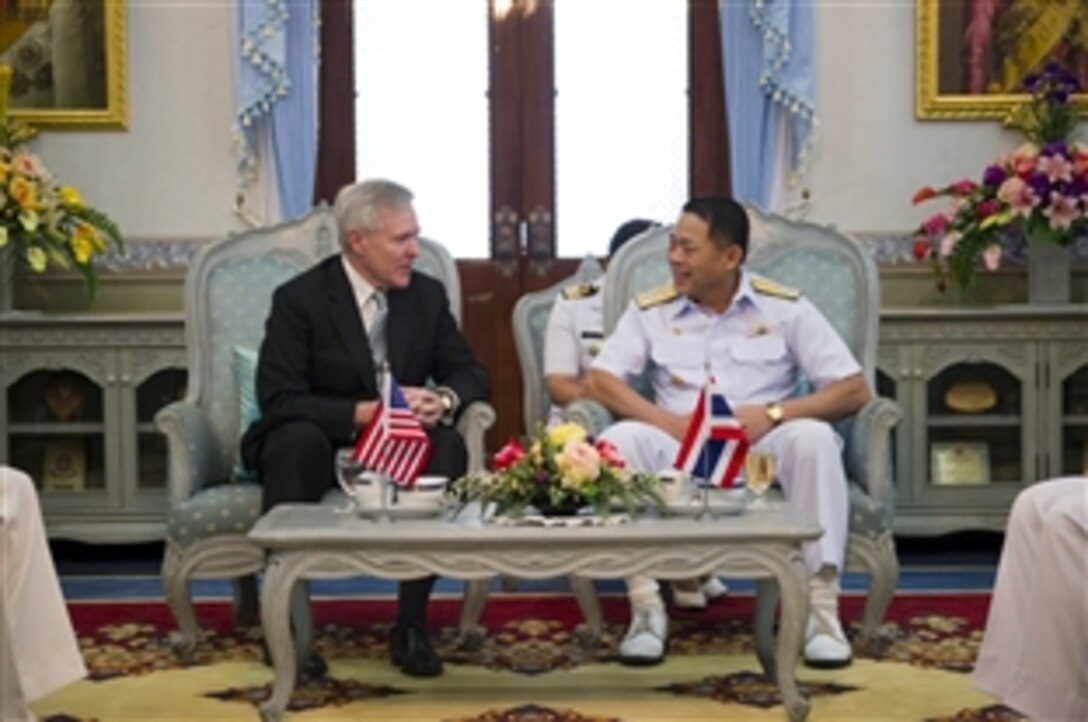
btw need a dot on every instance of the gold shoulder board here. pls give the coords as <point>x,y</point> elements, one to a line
<point>656,296</point>
<point>580,290</point>
<point>770,288</point>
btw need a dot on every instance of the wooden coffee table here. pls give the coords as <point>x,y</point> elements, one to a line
<point>309,541</point>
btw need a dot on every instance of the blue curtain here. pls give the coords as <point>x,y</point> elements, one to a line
<point>770,85</point>
<point>278,57</point>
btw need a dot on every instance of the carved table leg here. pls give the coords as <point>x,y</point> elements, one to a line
<point>471,635</point>
<point>589,632</point>
<point>766,600</point>
<point>794,592</point>
<point>279,582</point>
<point>175,586</point>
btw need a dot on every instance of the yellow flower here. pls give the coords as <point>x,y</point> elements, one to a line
<point>36,258</point>
<point>71,196</point>
<point>23,191</point>
<point>29,219</point>
<point>563,434</point>
<point>82,243</point>
<point>3,236</point>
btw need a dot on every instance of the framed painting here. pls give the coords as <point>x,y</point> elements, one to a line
<point>971,56</point>
<point>68,61</point>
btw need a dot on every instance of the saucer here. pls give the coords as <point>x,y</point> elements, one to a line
<point>721,503</point>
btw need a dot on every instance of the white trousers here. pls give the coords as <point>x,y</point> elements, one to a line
<point>808,464</point>
<point>1034,653</point>
<point>38,653</point>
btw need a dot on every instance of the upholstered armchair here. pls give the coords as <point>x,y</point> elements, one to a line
<point>212,502</point>
<point>840,278</point>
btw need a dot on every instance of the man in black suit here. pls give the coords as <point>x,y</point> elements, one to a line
<point>317,381</point>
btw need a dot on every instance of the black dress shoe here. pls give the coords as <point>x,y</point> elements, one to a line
<point>410,650</point>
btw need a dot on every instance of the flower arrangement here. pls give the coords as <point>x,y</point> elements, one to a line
<point>1037,192</point>
<point>45,223</point>
<point>557,468</point>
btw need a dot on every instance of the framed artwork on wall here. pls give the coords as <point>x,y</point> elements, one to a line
<point>971,56</point>
<point>68,61</point>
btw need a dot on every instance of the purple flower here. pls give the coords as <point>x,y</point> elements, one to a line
<point>994,176</point>
<point>1040,184</point>
<point>1058,147</point>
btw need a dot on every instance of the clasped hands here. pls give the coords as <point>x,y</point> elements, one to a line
<point>752,418</point>
<point>424,403</point>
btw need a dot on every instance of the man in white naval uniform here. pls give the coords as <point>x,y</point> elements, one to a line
<point>758,339</point>
<point>572,339</point>
<point>38,649</point>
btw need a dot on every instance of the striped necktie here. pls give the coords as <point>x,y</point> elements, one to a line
<point>376,332</point>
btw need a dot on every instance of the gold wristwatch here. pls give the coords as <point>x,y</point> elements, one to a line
<point>775,413</point>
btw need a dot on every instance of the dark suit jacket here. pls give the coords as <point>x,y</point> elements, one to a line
<point>315,361</point>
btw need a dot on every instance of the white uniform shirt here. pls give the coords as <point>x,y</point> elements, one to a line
<point>574,333</point>
<point>757,349</point>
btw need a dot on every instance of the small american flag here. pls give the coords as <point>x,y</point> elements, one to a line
<point>393,441</point>
<point>715,444</point>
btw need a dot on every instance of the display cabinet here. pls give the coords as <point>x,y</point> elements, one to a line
<point>994,399</point>
<point>79,394</point>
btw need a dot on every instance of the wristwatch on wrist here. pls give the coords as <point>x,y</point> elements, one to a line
<point>775,413</point>
<point>449,400</point>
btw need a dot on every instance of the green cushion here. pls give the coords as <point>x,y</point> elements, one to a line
<point>244,369</point>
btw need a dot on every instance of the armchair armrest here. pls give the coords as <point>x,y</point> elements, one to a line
<point>192,449</point>
<point>868,449</point>
<point>474,421</point>
<point>589,414</point>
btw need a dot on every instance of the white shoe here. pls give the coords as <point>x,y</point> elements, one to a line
<point>714,588</point>
<point>688,598</point>
<point>646,637</point>
<point>826,646</point>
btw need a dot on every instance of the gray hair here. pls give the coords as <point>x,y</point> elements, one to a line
<point>357,205</point>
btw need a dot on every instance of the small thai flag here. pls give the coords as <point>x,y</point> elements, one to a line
<point>715,443</point>
<point>393,442</point>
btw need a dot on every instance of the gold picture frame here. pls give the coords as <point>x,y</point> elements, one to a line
<point>69,62</point>
<point>947,85</point>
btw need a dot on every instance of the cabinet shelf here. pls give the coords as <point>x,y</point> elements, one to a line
<point>58,429</point>
<point>1075,419</point>
<point>975,421</point>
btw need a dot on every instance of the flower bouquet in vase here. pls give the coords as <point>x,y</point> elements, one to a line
<point>557,471</point>
<point>43,223</point>
<point>1026,203</point>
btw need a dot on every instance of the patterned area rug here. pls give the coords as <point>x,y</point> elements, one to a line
<point>531,668</point>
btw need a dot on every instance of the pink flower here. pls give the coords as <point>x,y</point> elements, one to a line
<point>1056,167</point>
<point>964,187</point>
<point>610,455</point>
<point>578,462</point>
<point>949,242</point>
<point>508,455</point>
<point>1062,211</point>
<point>992,256</point>
<point>1024,159</point>
<point>935,224</point>
<point>1018,195</point>
<point>987,208</point>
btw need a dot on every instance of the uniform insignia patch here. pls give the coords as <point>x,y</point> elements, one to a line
<point>580,290</point>
<point>770,288</point>
<point>656,296</point>
<point>760,329</point>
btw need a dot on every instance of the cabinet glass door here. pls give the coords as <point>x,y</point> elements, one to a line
<point>975,426</point>
<point>57,431</point>
<point>1074,423</point>
<point>160,389</point>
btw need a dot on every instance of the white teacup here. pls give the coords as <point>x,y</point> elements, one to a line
<point>676,486</point>
<point>427,493</point>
